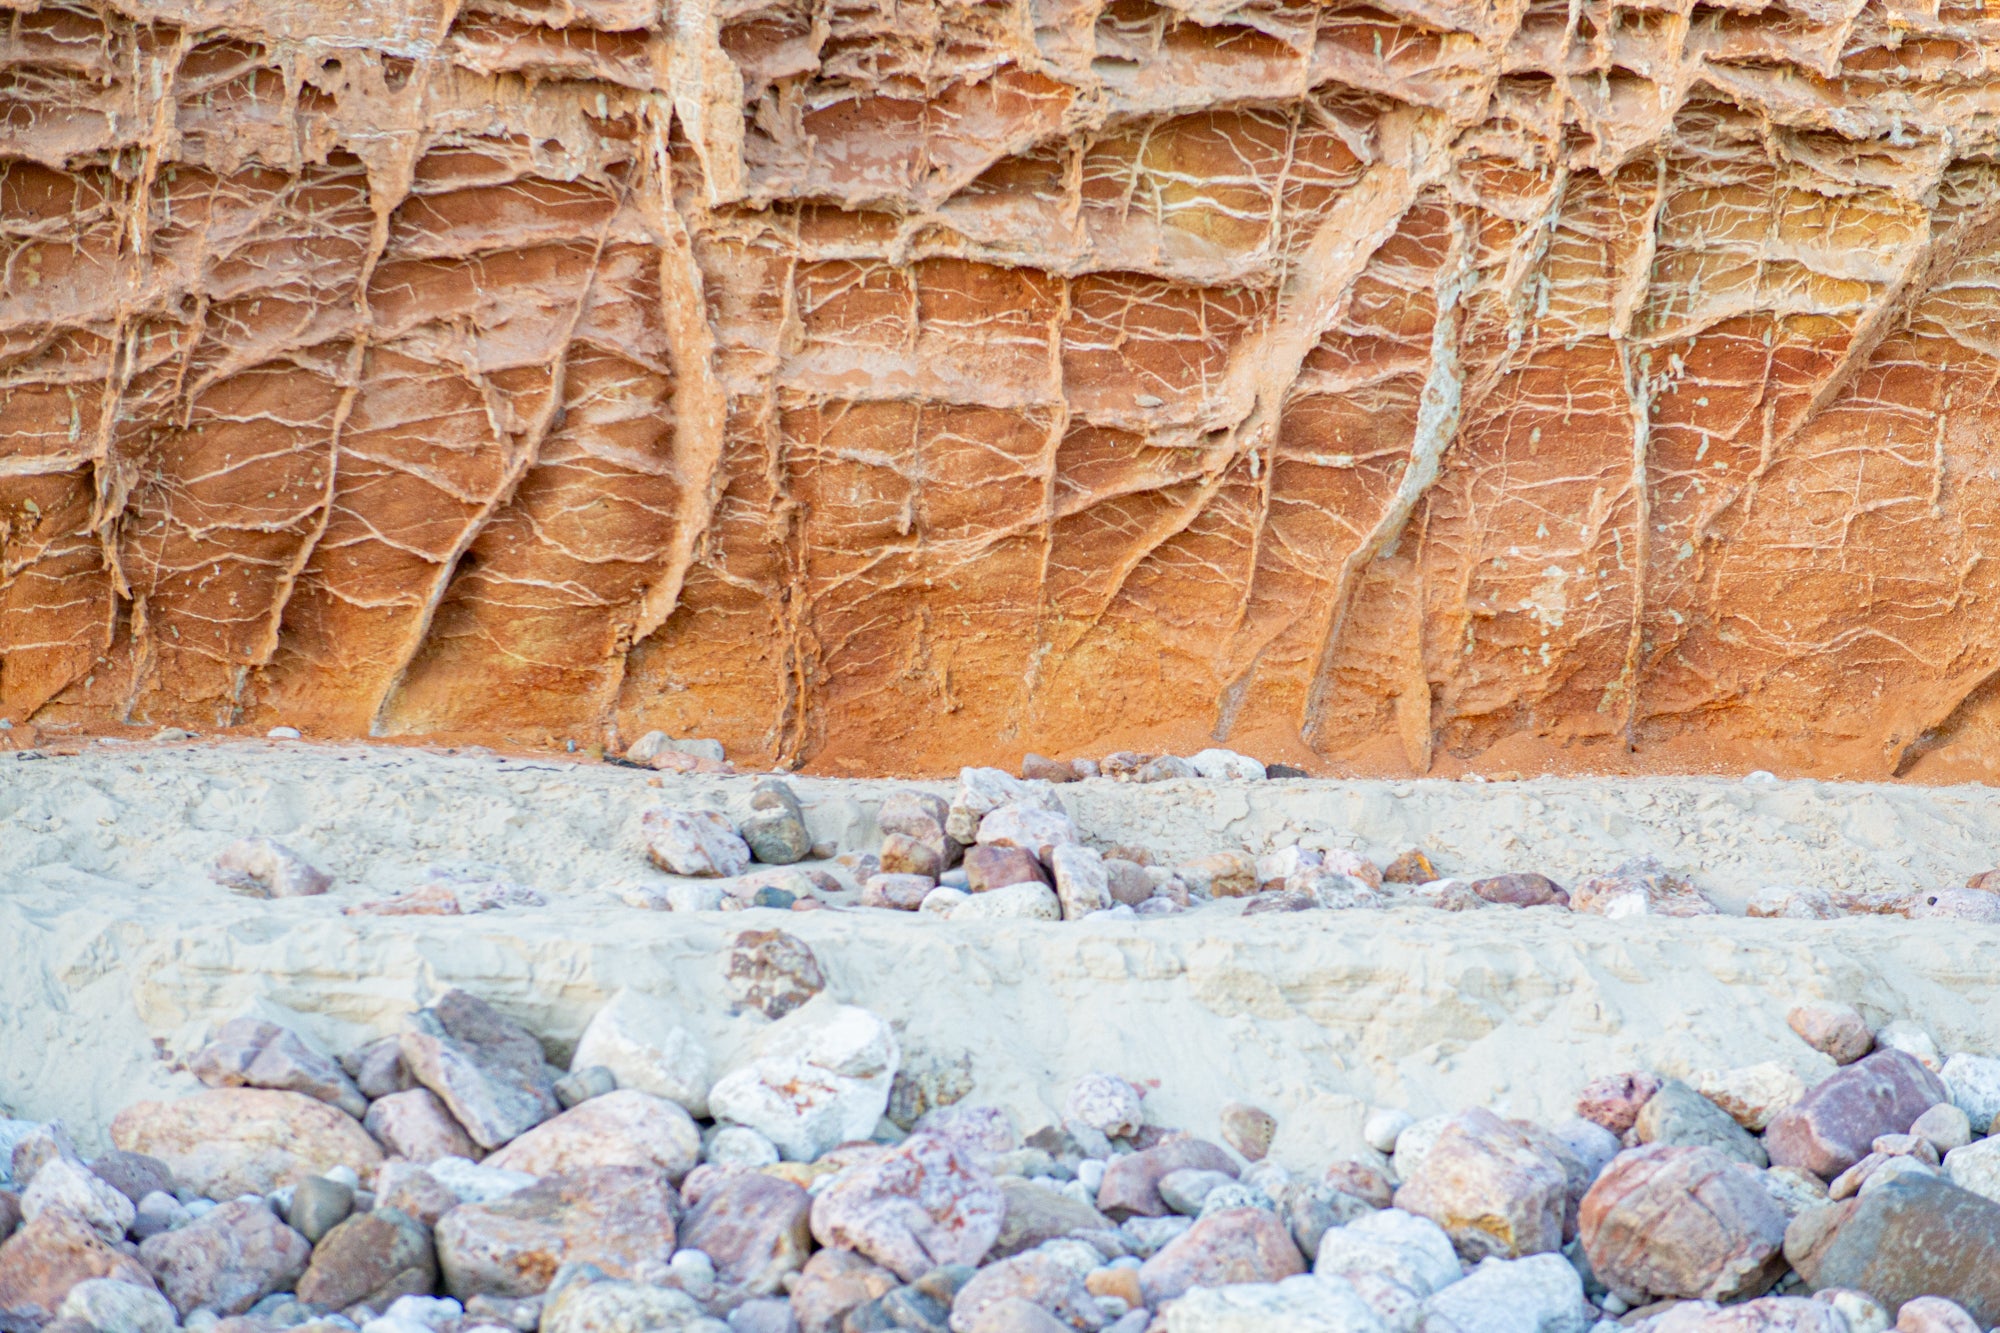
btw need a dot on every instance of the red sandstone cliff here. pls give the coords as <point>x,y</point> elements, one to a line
<point>1427,385</point>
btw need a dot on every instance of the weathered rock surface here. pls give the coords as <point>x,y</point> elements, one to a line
<point>371,1259</point>
<point>1494,1189</point>
<point>622,1128</point>
<point>252,1053</point>
<point>616,1217</point>
<point>1684,1222</point>
<point>41,1261</point>
<point>228,1259</point>
<point>754,1226</point>
<point>1005,414</point>
<point>1913,1237</point>
<point>1833,1126</point>
<point>923,1203</point>
<point>488,1070</point>
<point>233,1141</point>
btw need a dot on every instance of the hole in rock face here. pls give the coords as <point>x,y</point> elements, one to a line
<point>396,71</point>
<point>331,68</point>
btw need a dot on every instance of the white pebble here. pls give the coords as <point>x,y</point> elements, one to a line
<point>1384,1126</point>
<point>1090,1173</point>
<point>283,733</point>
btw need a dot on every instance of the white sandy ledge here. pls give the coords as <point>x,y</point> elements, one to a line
<point>116,953</point>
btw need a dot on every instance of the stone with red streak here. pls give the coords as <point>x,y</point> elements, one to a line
<point>920,1205</point>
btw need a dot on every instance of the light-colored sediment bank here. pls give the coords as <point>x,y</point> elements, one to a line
<point>117,952</point>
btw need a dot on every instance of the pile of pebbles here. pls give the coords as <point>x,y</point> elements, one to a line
<point>448,1178</point>
<point>1006,848</point>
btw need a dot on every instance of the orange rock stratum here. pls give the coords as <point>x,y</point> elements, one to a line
<point>1421,387</point>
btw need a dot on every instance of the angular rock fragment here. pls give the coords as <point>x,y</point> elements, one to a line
<point>252,1053</point>
<point>1680,1116</point>
<point>922,1204</point>
<point>988,868</point>
<point>1521,890</point>
<point>489,1071</point>
<point>45,1258</point>
<point>263,868</point>
<point>1918,1236</point>
<point>1235,1245</point>
<point>819,1077</point>
<point>694,842</point>
<point>755,1227</point>
<point>228,1259</point>
<point>1640,887</point>
<point>1493,1189</point>
<point>1836,1031</point>
<point>1131,1182</point>
<point>371,1259</point>
<point>645,1045</point>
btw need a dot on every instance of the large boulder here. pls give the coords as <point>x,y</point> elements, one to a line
<point>1539,1294</point>
<point>1131,1184</point>
<point>1494,1189</point>
<point>1303,1304</point>
<point>488,1070</point>
<point>625,1307</point>
<point>228,1259</point>
<point>1233,1245</point>
<point>1683,1222</point>
<point>1912,1236</point>
<point>1678,1116</point>
<point>1040,1279</point>
<point>1835,1124</point>
<point>417,1127</point>
<point>622,1128</point>
<point>616,1217</point>
<point>45,1258</point>
<point>754,1226</point>
<point>694,842</point>
<point>253,1053</point>
<point>819,1076</point>
<point>64,1182</point>
<point>371,1259</point>
<point>233,1141</point>
<point>644,1044</point>
<point>834,1282</point>
<point>923,1203</point>
<point>1036,1212</point>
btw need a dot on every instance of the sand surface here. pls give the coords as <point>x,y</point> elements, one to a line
<point>117,953</point>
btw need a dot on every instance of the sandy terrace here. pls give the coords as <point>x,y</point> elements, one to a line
<point>118,952</point>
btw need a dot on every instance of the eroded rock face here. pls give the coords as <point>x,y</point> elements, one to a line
<point>1412,382</point>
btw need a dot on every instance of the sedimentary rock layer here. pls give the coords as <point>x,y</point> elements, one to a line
<point>123,954</point>
<point>1401,387</point>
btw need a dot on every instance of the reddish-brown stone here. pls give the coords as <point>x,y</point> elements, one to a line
<point>1831,1128</point>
